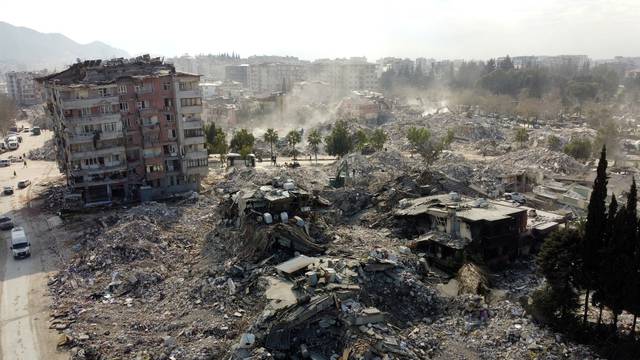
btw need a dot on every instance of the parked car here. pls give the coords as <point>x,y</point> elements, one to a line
<point>8,190</point>
<point>12,145</point>
<point>25,130</point>
<point>24,183</point>
<point>5,162</point>
<point>35,130</point>
<point>515,196</point>
<point>6,223</point>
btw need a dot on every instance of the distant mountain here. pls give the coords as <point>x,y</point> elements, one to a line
<point>22,48</point>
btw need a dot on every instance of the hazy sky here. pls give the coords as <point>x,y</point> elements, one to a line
<point>341,28</point>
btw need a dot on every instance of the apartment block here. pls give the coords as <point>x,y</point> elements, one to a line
<point>266,78</point>
<point>127,130</point>
<point>345,75</point>
<point>23,89</point>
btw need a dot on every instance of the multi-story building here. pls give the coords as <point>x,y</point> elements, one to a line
<point>238,73</point>
<point>267,78</point>
<point>345,75</point>
<point>23,89</point>
<point>127,129</point>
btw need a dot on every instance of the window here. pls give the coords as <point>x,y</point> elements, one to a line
<point>169,117</point>
<point>124,106</point>
<point>85,112</point>
<point>188,85</point>
<point>110,127</point>
<point>197,163</point>
<point>105,109</point>
<point>154,168</point>
<point>166,86</point>
<point>103,92</point>
<point>168,103</point>
<point>122,89</point>
<point>142,104</point>
<point>193,133</point>
<point>171,133</point>
<point>150,121</point>
<point>190,101</point>
<point>152,152</point>
<point>137,88</point>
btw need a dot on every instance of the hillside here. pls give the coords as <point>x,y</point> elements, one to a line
<point>26,49</point>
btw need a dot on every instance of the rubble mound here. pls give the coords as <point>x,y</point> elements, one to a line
<point>544,159</point>
<point>46,152</point>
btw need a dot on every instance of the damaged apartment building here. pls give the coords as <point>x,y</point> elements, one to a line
<point>451,229</point>
<point>127,129</point>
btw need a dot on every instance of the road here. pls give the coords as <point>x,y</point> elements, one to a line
<point>24,300</point>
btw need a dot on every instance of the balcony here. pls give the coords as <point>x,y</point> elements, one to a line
<point>194,140</point>
<point>200,170</point>
<point>193,109</point>
<point>88,137</point>
<point>79,155</point>
<point>89,102</point>
<point>192,123</point>
<point>193,93</point>
<point>94,119</point>
<point>144,90</point>
<point>97,169</point>
<point>196,155</point>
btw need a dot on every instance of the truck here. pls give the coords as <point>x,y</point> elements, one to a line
<point>20,245</point>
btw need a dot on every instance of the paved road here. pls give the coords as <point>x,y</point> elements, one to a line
<point>24,332</point>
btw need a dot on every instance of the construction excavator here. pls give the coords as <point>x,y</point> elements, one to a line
<point>342,173</point>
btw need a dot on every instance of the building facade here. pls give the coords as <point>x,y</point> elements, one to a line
<point>345,75</point>
<point>267,78</point>
<point>23,89</point>
<point>127,129</point>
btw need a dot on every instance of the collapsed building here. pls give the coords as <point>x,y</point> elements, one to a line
<point>452,229</point>
<point>127,129</point>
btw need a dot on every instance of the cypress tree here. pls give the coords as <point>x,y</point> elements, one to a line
<point>631,247</point>
<point>594,231</point>
<point>599,295</point>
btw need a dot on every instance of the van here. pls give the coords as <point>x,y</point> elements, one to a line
<point>24,183</point>
<point>5,162</point>
<point>35,130</point>
<point>20,246</point>
<point>12,145</point>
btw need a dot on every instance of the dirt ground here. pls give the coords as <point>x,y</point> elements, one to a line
<point>24,301</point>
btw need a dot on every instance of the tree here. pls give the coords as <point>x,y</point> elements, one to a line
<point>422,143</point>
<point>314,139</point>
<point>448,138</point>
<point>339,142</point>
<point>361,139</point>
<point>7,113</point>
<point>554,143</point>
<point>559,263</point>
<point>271,137</point>
<point>293,138</point>
<point>210,133</point>
<point>242,139</point>
<point>522,136</point>
<point>506,64</point>
<point>600,295</point>
<point>220,145</point>
<point>578,148</point>
<point>595,226</point>
<point>378,139</point>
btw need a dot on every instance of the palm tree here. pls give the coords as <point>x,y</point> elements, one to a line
<point>271,136</point>
<point>314,139</point>
<point>293,137</point>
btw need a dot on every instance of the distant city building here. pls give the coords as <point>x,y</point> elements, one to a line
<point>345,75</point>
<point>23,89</point>
<point>239,73</point>
<point>3,87</point>
<point>267,78</point>
<point>127,129</point>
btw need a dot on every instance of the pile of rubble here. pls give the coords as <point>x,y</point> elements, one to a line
<point>46,152</point>
<point>540,158</point>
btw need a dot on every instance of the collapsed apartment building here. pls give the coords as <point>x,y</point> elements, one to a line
<point>452,229</point>
<point>127,129</point>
